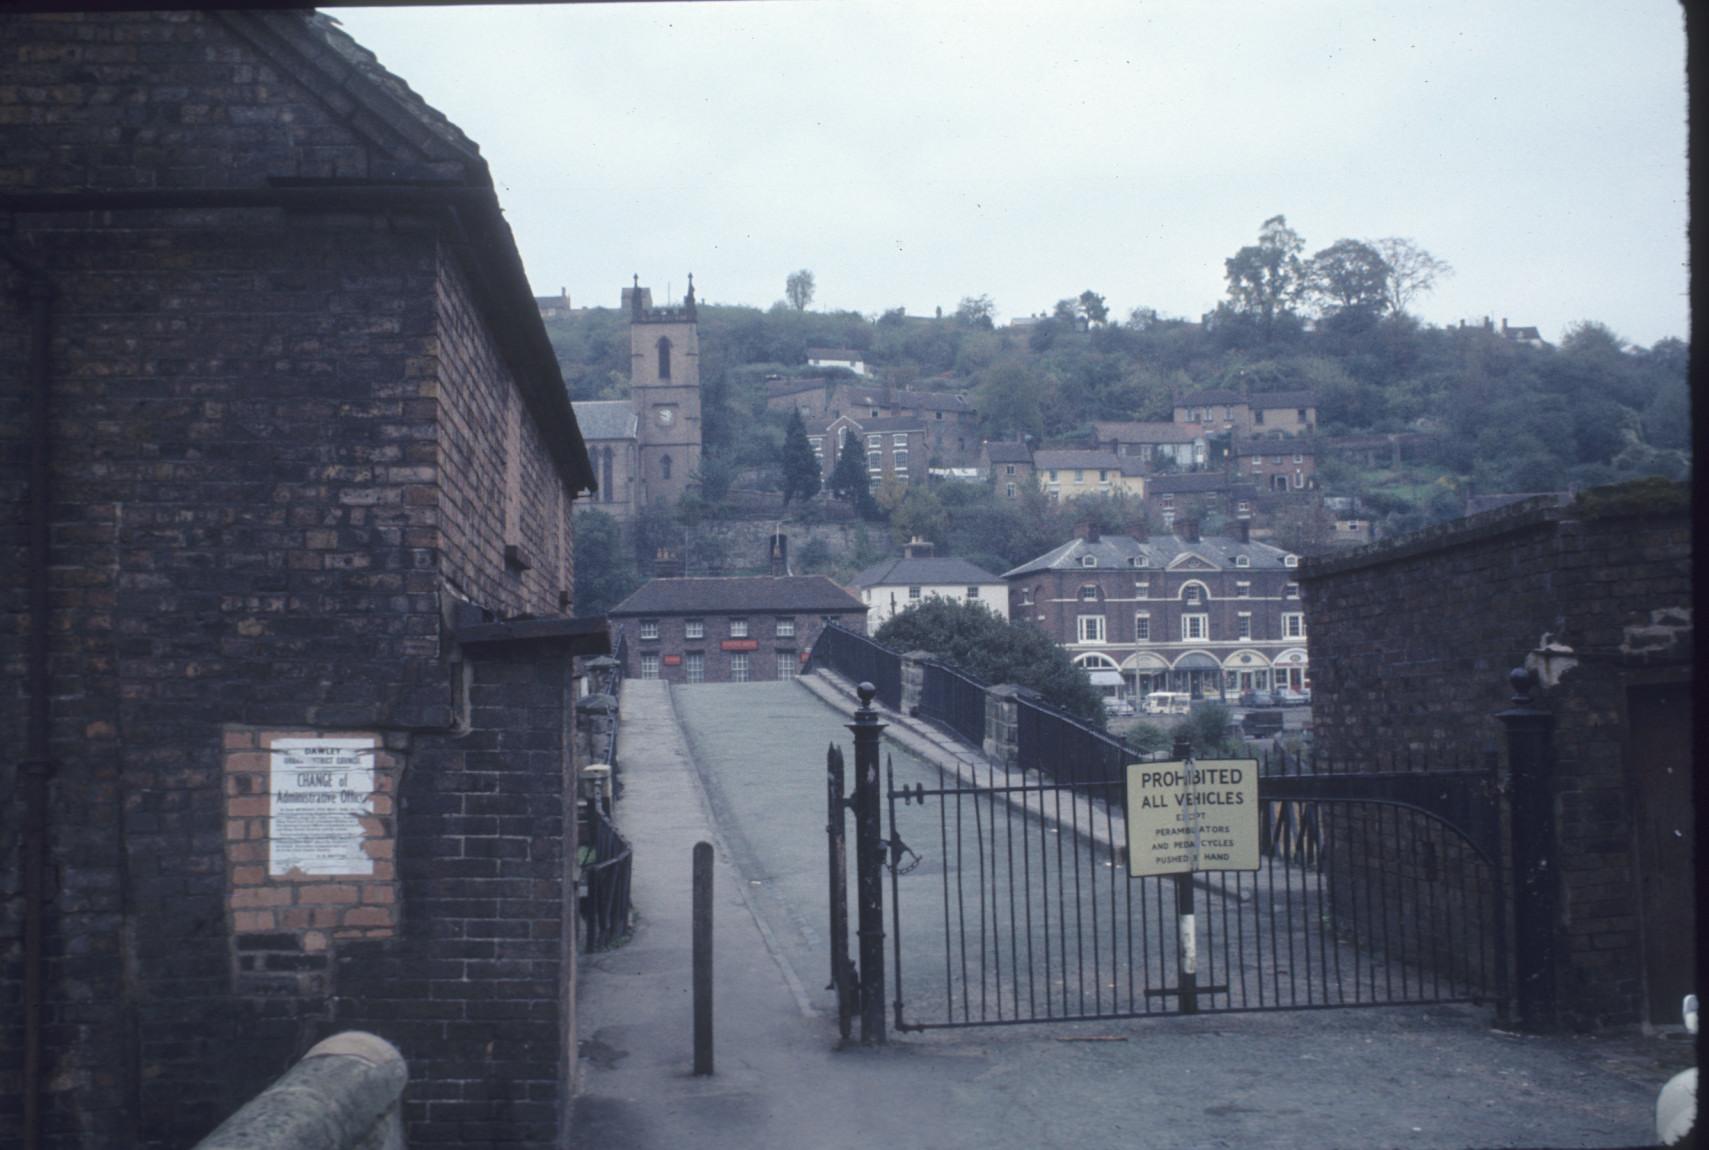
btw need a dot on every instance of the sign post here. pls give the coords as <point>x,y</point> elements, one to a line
<point>1187,816</point>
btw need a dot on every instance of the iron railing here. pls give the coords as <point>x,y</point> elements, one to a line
<point>955,700</point>
<point>860,659</point>
<point>1056,744</point>
<point>606,868</point>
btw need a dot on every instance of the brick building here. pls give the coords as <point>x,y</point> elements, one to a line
<point>1413,639</point>
<point>1219,411</point>
<point>895,447</point>
<point>1009,467</point>
<point>1211,616</point>
<point>1274,464</point>
<point>734,629</point>
<point>300,456</point>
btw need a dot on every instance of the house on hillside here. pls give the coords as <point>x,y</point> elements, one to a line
<point>1529,336</point>
<point>307,540</point>
<point>1218,411</point>
<point>1159,444</point>
<point>1275,464</point>
<point>1199,493</point>
<point>845,358</point>
<point>893,585</point>
<point>1008,467</point>
<point>1209,616</point>
<point>895,447</point>
<point>732,629</point>
<point>1073,474</point>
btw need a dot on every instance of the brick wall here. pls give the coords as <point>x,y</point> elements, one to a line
<point>1411,645</point>
<point>278,439</point>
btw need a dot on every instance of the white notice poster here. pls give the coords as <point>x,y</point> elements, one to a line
<point>319,791</point>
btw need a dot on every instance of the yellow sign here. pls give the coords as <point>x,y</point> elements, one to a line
<point>1192,816</point>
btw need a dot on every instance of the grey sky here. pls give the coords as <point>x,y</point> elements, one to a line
<point>915,153</point>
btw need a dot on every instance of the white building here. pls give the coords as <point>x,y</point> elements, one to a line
<point>837,357</point>
<point>894,585</point>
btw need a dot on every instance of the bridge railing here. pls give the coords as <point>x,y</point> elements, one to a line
<point>606,869</point>
<point>860,659</point>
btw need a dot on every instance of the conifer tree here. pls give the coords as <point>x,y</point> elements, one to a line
<point>849,480</point>
<point>800,466</point>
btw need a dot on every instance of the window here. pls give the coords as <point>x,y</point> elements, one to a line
<point>1026,597</point>
<point>649,628</point>
<point>1010,490</point>
<point>1090,628</point>
<point>694,667</point>
<point>1258,415</point>
<point>1299,413</point>
<point>664,359</point>
<point>875,442</point>
<point>1103,476</point>
<point>898,441</point>
<point>901,461</point>
<point>1008,469</point>
<point>665,467</point>
<point>1088,560</point>
<point>1142,588</point>
<point>1290,560</point>
<point>739,667</point>
<point>1228,413</point>
<point>1195,628</point>
<point>1243,589</point>
<point>786,663</point>
<point>1276,459</point>
<point>650,666</point>
<point>973,592</point>
<point>1142,627</point>
<point>1053,475</point>
<point>1168,518</point>
<point>1299,479</point>
<point>1298,458</point>
<point>786,628</point>
<point>1292,591</point>
<point>1293,625</point>
<point>875,462</point>
<point>1243,507</point>
<point>1089,593</point>
<point>1168,501</point>
<point>1193,593</point>
<point>694,629</point>
<point>738,628</point>
<point>1242,561</point>
<point>914,593</point>
<point>1243,625</point>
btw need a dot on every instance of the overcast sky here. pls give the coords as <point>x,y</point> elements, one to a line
<point>914,153</point>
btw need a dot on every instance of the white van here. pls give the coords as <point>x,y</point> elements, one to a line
<point>1167,703</point>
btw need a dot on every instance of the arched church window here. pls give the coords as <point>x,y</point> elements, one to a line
<point>664,358</point>
<point>664,467</point>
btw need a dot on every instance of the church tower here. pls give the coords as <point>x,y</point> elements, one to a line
<point>664,386</point>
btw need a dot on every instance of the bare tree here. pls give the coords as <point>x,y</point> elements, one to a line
<point>1412,270</point>
<point>798,286</point>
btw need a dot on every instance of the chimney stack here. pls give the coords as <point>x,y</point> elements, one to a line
<point>1187,529</point>
<point>917,548</point>
<point>779,553</point>
<point>1243,530</point>
<point>1086,530</point>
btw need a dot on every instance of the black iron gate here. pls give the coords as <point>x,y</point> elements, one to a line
<point>1372,890</point>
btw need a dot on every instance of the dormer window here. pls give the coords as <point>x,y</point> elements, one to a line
<point>1242,561</point>
<point>1290,561</point>
<point>1088,560</point>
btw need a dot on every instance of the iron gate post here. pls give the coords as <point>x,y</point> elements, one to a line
<point>869,867</point>
<point>1185,910</point>
<point>1536,867</point>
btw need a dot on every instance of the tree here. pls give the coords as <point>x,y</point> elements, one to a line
<point>1265,279</point>
<point>800,467</point>
<point>798,287</point>
<point>849,479</point>
<point>605,569</point>
<point>976,311</point>
<point>970,637</point>
<point>1412,271</point>
<point>1348,278</point>
<point>1010,404</point>
<point>1092,306</point>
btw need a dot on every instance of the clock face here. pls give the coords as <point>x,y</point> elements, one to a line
<point>666,416</point>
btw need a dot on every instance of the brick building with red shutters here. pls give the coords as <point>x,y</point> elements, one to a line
<point>287,456</point>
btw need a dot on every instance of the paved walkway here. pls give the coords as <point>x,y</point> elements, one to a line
<point>748,777</point>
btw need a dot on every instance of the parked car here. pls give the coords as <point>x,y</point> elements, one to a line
<point>1676,1106</point>
<point>1257,698</point>
<point>1287,697</point>
<point>1118,706</point>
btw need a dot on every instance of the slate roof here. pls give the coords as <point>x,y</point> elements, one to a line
<point>1275,445</point>
<point>1008,453</point>
<point>926,400</point>
<point>1067,460</point>
<point>1114,551</point>
<point>1193,481</point>
<point>759,594</point>
<point>869,424</point>
<point>1146,432</point>
<point>944,571</point>
<point>606,418</point>
<point>837,353</point>
<point>1210,395</point>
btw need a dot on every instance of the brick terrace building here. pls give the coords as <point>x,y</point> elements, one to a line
<point>1209,616</point>
<point>1414,638</point>
<point>895,447</point>
<point>734,629</point>
<point>1218,411</point>
<point>305,448</point>
<point>1009,466</point>
<point>1275,464</point>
